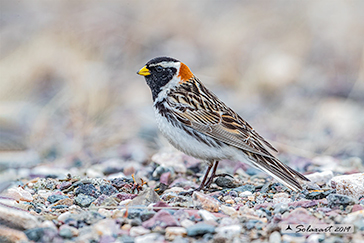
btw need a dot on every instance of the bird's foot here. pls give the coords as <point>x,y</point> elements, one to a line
<point>209,182</point>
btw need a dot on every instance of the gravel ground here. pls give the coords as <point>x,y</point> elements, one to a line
<point>116,208</point>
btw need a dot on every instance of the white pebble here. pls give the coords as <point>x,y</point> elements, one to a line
<point>320,177</point>
<point>187,223</point>
<point>245,194</point>
<point>229,231</point>
<point>207,216</point>
<point>172,232</point>
<point>275,237</point>
<point>138,230</point>
<point>228,210</point>
<point>350,185</point>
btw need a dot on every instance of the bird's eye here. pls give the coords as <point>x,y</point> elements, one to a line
<point>159,69</point>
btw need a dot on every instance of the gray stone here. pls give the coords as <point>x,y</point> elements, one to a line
<point>244,188</point>
<point>338,199</point>
<point>41,234</point>
<point>84,200</point>
<point>134,213</point>
<point>108,190</point>
<point>55,198</point>
<point>275,237</point>
<point>88,189</point>
<point>147,197</point>
<point>200,229</point>
<point>280,208</point>
<point>66,233</point>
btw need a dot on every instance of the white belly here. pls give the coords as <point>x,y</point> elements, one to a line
<point>190,145</point>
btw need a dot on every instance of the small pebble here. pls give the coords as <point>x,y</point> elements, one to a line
<point>55,198</point>
<point>338,199</point>
<point>163,219</point>
<point>228,210</point>
<point>229,231</point>
<point>138,230</point>
<point>200,229</point>
<point>88,190</point>
<point>187,223</point>
<point>275,237</point>
<point>244,188</point>
<point>206,202</point>
<point>245,194</point>
<point>84,200</point>
<point>173,232</point>
<point>207,216</point>
<point>225,182</point>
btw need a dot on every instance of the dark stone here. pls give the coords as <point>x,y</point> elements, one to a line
<point>88,189</point>
<point>200,229</point>
<point>225,182</point>
<point>108,190</point>
<point>318,194</point>
<point>160,188</point>
<point>120,182</point>
<point>55,198</point>
<point>145,215</point>
<point>84,200</point>
<point>136,222</point>
<point>233,193</point>
<point>64,185</point>
<point>338,199</point>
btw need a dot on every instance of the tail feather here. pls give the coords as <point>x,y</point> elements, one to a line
<point>278,170</point>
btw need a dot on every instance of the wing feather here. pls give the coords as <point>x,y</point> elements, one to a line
<point>204,112</point>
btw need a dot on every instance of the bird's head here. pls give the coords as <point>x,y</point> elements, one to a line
<point>164,72</point>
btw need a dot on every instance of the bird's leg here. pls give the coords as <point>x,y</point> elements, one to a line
<point>202,185</point>
<point>213,174</point>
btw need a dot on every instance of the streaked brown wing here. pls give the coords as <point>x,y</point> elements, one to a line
<point>198,108</point>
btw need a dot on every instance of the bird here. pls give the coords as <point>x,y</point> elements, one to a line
<point>195,121</point>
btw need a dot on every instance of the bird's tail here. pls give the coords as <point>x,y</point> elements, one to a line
<point>278,170</point>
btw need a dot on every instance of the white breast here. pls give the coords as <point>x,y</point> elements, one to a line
<point>190,145</point>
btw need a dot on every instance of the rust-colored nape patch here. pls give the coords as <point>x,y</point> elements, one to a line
<point>185,73</point>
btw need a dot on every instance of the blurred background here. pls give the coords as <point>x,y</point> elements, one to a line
<point>70,96</point>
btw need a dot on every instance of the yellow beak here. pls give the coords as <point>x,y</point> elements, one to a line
<point>144,71</point>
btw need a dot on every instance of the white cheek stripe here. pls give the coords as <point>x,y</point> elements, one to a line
<point>176,65</point>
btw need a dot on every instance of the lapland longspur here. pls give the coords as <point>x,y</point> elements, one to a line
<point>195,121</point>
